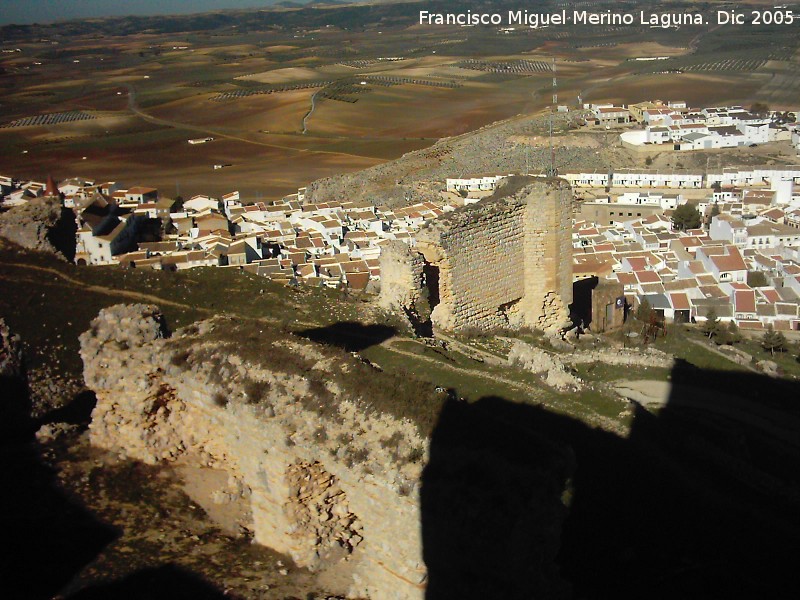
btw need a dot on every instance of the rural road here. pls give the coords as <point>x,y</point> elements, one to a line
<point>310,112</point>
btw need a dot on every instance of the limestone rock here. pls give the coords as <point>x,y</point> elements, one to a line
<point>14,399</point>
<point>538,361</point>
<point>10,352</point>
<point>50,432</point>
<point>321,477</point>
<point>768,367</point>
<point>41,224</point>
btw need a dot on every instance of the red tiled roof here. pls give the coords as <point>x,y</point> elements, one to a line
<point>680,301</point>
<point>647,277</point>
<point>745,301</point>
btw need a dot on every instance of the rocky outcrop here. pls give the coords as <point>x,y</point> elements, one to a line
<point>321,480</point>
<point>41,224</point>
<point>506,147</point>
<point>554,367</point>
<point>14,400</point>
<point>289,440</point>
<point>539,362</point>
<point>10,352</point>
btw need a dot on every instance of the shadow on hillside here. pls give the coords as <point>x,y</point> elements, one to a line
<point>349,335</point>
<point>62,235</point>
<point>167,582</point>
<point>47,537</point>
<point>702,500</point>
<point>77,412</point>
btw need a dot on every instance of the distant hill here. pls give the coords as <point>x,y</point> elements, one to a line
<point>312,3</point>
<point>350,15</point>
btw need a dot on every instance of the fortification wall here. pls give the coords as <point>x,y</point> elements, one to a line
<point>548,255</point>
<point>480,264</point>
<point>504,261</point>
<point>289,452</point>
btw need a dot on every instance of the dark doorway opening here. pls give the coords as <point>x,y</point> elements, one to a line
<point>431,274</point>
<point>581,308</point>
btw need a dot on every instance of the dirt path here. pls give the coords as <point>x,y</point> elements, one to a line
<point>470,351</point>
<point>534,393</point>
<point>149,298</point>
<point>723,355</point>
<point>99,289</point>
<point>390,344</point>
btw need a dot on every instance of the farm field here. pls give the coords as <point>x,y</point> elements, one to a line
<point>295,95</point>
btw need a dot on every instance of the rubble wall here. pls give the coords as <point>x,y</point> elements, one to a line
<point>548,255</point>
<point>315,475</point>
<point>310,490</point>
<point>402,285</point>
<point>505,261</point>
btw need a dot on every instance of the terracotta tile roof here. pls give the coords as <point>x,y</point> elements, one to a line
<point>745,301</point>
<point>647,277</point>
<point>680,301</point>
<point>731,262</point>
<point>770,295</point>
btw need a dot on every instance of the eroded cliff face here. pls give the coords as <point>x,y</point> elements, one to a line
<point>273,436</point>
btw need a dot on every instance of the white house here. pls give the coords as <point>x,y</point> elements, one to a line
<point>728,229</point>
<point>725,263</point>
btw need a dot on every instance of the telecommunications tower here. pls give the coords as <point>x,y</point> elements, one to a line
<point>552,171</point>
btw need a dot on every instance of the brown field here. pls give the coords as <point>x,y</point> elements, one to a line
<point>163,159</point>
<point>261,134</point>
<point>697,89</point>
<point>414,111</point>
<point>281,112</point>
<point>635,50</point>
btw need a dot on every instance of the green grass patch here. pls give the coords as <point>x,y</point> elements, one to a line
<point>589,405</point>
<point>602,372</point>
<point>50,312</point>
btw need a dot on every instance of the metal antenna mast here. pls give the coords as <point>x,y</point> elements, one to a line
<point>552,171</point>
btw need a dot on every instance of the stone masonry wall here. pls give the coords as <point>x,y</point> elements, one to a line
<point>480,273</point>
<point>548,255</point>
<point>261,421</point>
<point>328,503</point>
<point>504,261</point>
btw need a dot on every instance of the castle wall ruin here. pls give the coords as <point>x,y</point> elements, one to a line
<point>502,262</point>
<point>362,497</point>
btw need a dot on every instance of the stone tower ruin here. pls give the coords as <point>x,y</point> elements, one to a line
<point>505,261</point>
